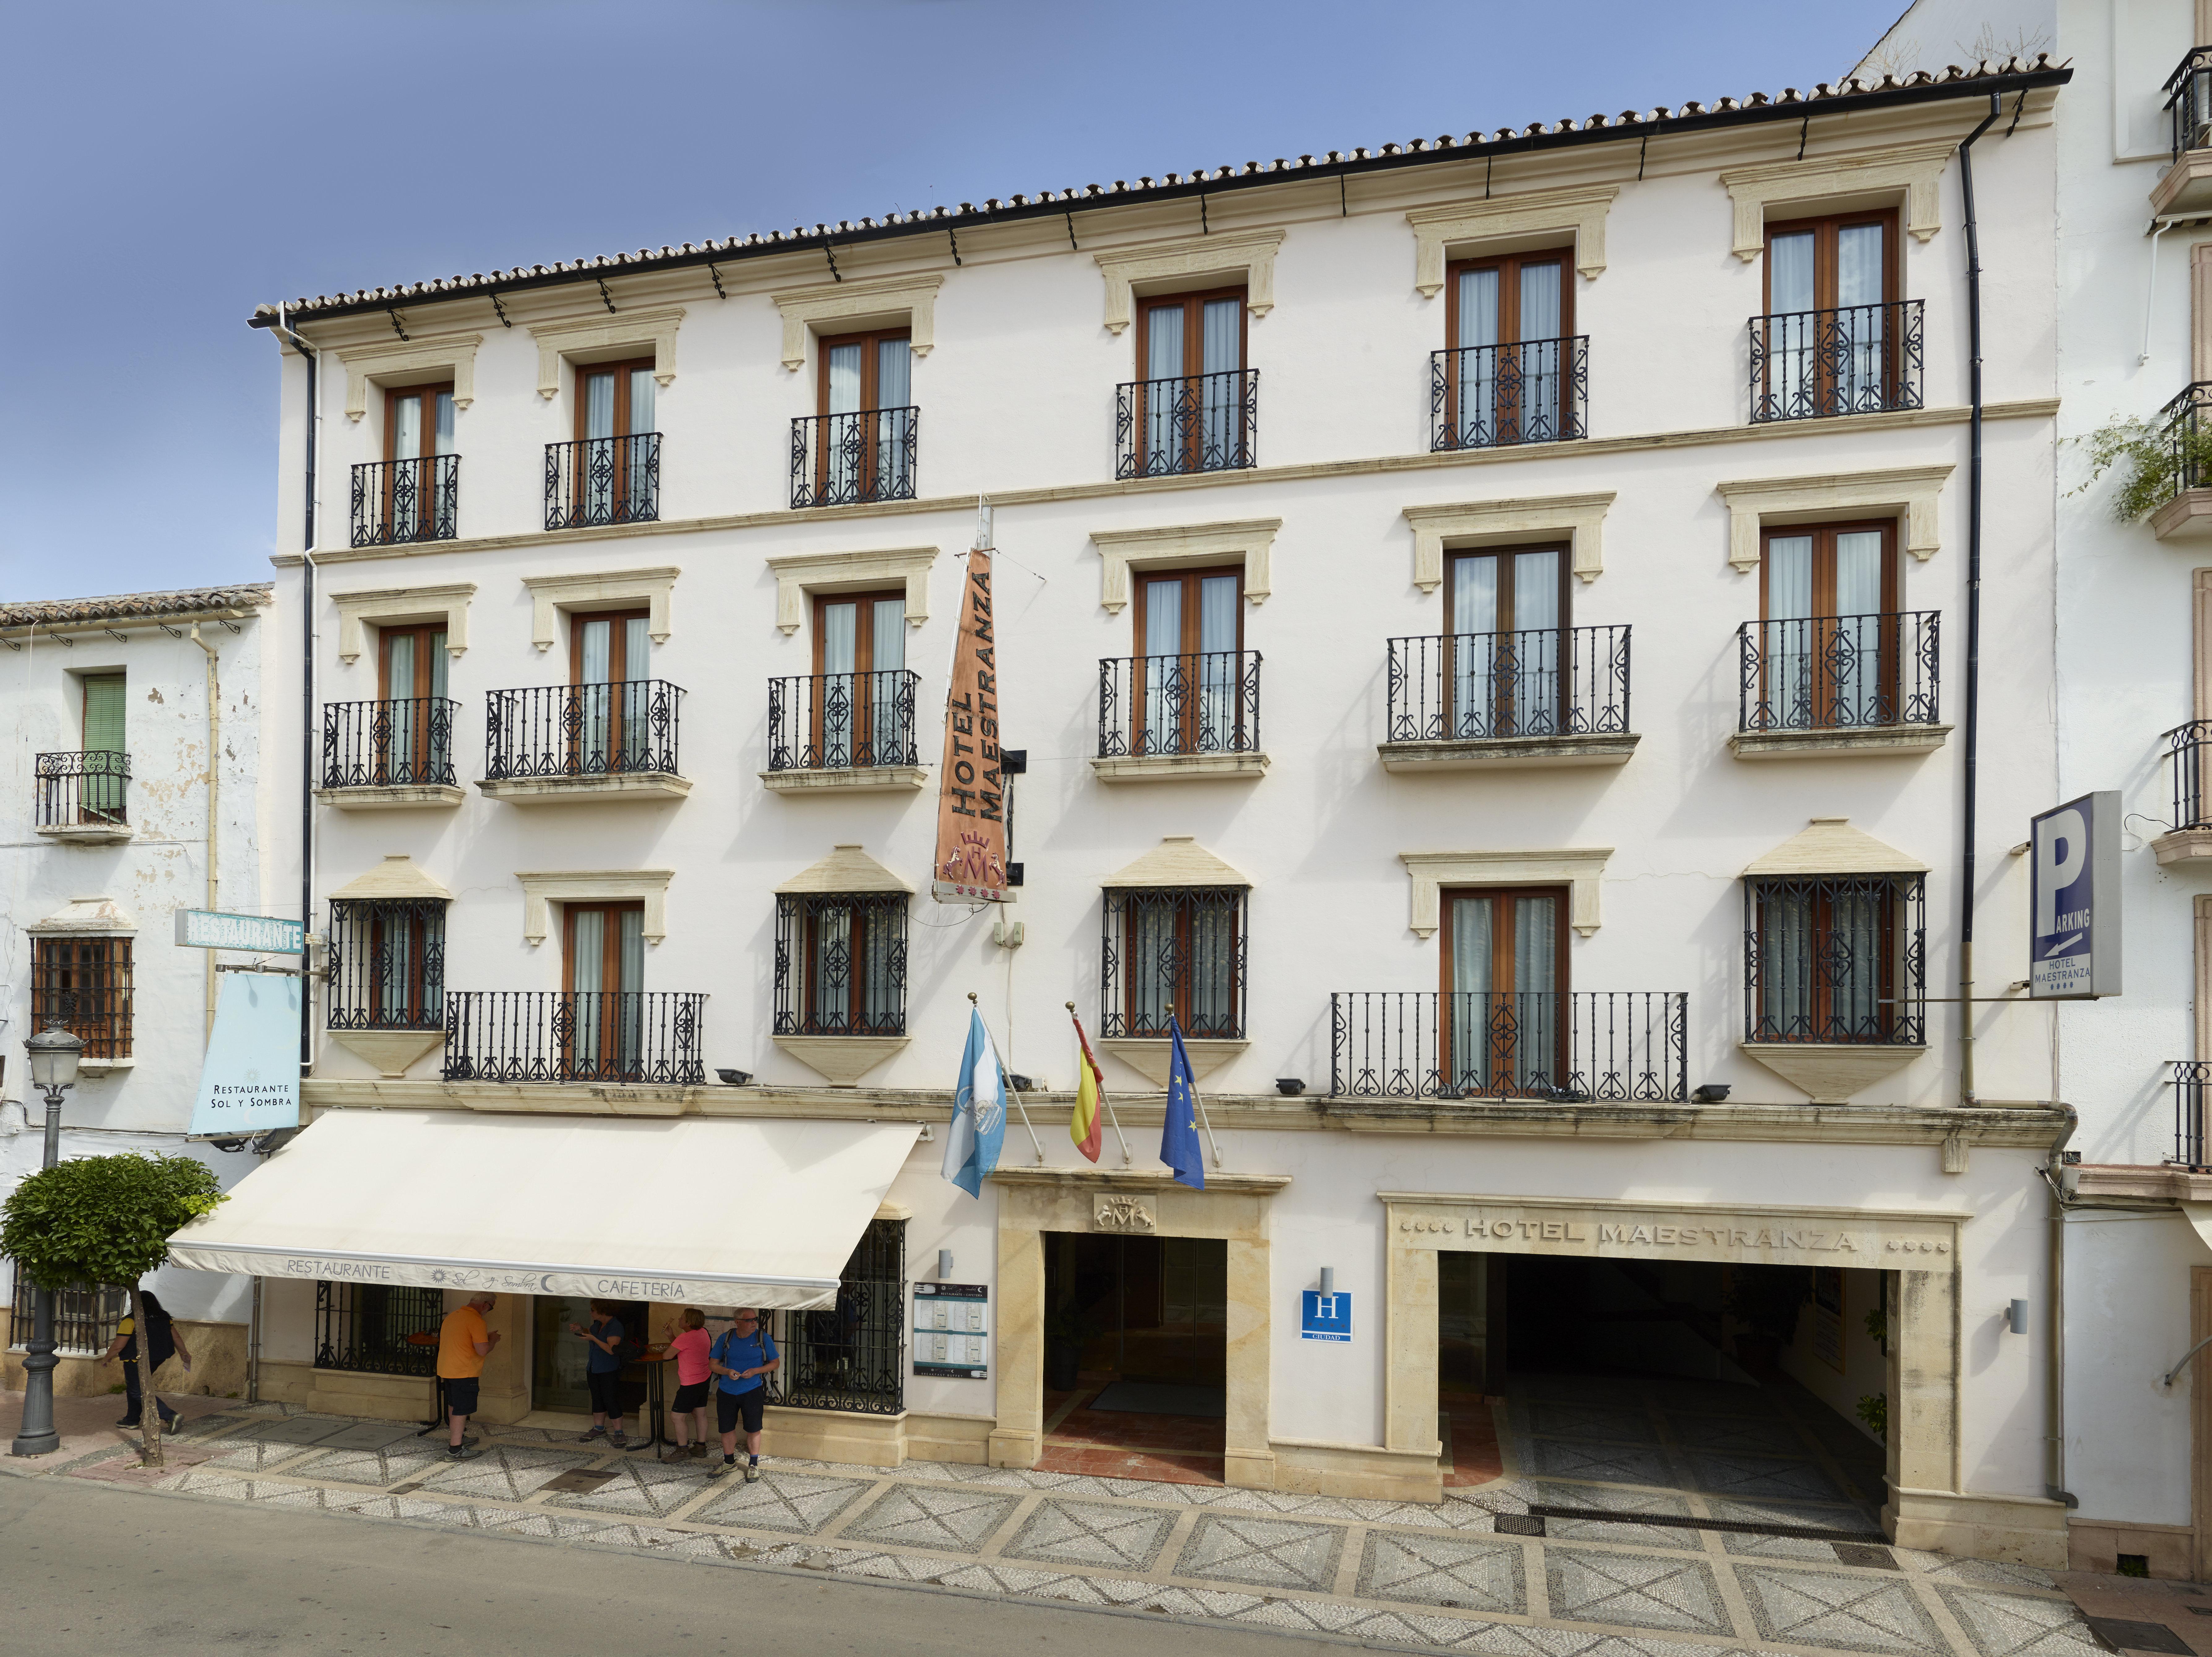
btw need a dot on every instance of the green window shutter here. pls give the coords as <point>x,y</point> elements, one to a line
<point>103,714</point>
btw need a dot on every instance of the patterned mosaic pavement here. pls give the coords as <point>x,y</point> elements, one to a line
<point>1380,1573</point>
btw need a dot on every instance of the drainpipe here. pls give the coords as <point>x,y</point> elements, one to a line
<point>213,800</point>
<point>2054,1409</point>
<point>1973,718</point>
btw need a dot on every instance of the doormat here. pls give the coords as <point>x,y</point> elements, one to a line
<point>1155,1398</point>
<point>2121,1635</point>
<point>580,1481</point>
<point>1732,1526</point>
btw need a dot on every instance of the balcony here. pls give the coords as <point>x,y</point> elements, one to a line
<point>2171,474</point>
<point>563,744</point>
<point>628,1038</point>
<point>846,732</point>
<point>1485,397</point>
<point>1509,701</point>
<point>602,480</point>
<point>2185,186</point>
<point>399,501</point>
<point>1816,365</point>
<point>2192,1081</point>
<point>83,797</point>
<point>1188,423</point>
<point>389,756</point>
<point>1576,1047</point>
<point>851,460</point>
<point>2188,840</point>
<point>1168,718</point>
<point>1826,686</point>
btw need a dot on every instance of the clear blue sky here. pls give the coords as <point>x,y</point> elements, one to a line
<point>169,167</point>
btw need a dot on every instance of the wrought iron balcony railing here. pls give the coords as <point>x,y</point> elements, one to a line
<point>1838,672</point>
<point>1580,1046</point>
<point>603,480</point>
<point>631,1036</point>
<point>1836,959</point>
<point>83,790</point>
<point>1544,682</point>
<point>616,729</point>
<point>2192,1087</point>
<point>1535,391</point>
<point>1188,423</point>
<point>841,963</point>
<point>2185,422</point>
<point>2188,748</point>
<point>390,744</point>
<point>843,459</point>
<point>2188,101</point>
<point>1857,359</point>
<point>1206,703</point>
<point>843,721</point>
<point>395,501</point>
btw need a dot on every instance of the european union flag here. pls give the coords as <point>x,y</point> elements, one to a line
<point>1179,1131</point>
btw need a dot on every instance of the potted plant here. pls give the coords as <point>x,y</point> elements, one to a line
<point>1765,1299</point>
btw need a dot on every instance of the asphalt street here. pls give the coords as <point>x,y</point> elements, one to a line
<point>88,1568</point>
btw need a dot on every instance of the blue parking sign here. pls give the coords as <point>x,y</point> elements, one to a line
<point>1326,1317</point>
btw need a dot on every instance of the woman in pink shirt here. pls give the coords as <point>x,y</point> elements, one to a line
<point>688,1348</point>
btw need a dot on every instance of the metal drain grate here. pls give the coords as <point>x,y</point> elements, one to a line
<point>1518,1524</point>
<point>580,1481</point>
<point>1682,1522</point>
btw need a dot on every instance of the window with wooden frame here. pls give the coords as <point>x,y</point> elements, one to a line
<point>414,737</point>
<point>1194,398</point>
<point>602,978</point>
<point>1189,692</point>
<point>387,960</point>
<point>841,963</point>
<point>1833,329</point>
<point>1510,319</point>
<point>862,705</point>
<point>1510,642</point>
<point>864,448</point>
<point>415,488</point>
<point>617,476</point>
<point>1835,958</point>
<point>1832,644</point>
<point>83,984</point>
<point>106,761</point>
<point>1504,1031</point>
<point>1174,952</point>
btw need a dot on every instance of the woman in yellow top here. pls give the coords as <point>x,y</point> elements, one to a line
<point>162,1342</point>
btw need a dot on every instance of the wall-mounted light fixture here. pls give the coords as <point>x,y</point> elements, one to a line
<point>1712,1092</point>
<point>736,1078</point>
<point>944,1264</point>
<point>1328,1280</point>
<point>2017,1317</point>
<point>1289,1086</point>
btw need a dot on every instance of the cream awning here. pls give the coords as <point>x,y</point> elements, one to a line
<point>718,1212</point>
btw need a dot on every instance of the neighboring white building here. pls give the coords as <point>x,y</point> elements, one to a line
<point>1329,496</point>
<point>135,777</point>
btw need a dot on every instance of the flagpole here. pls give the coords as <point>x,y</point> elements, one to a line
<point>1103,1099</point>
<point>1199,1099</point>
<point>1006,1081</point>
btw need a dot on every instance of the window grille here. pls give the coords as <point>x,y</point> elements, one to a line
<point>387,959</point>
<point>85,1320</point>
<point>841,963</point>
<point>366,1327</point>
<point>852,1355</point>
<point>84,984</point>
<point>1835,958</point>
<point>1175,947</point>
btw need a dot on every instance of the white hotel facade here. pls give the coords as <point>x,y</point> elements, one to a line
<point>1484,625</point>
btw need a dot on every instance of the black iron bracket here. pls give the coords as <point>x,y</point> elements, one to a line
<point>1071,232</point>
<point>1804,127</point>
<point>502,309</point>
<point>1643,148</point>
<point>953,236</point>
<point>831,253</point>
<point>2016,110</point>
<point>717,275</point>
<point>396,328</point>
<point>1204,228</point>
<point>605,298</point>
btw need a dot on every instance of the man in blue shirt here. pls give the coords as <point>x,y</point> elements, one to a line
<point>744,1357</point>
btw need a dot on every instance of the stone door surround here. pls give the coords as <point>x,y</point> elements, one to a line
<point>1929,1505</point>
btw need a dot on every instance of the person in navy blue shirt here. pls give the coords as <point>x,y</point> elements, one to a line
<point>603,1372</point>
<point>744,1358</point>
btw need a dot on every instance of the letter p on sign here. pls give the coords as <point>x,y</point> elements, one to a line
<point>2062,851</point>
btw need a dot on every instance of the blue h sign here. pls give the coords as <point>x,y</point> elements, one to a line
<point>1325,1317</point>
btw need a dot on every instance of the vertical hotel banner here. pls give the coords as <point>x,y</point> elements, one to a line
<point>971,800</point>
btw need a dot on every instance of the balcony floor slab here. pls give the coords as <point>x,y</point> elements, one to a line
<point>398,797</point>
<point>1854,742</point>
<point>1506,754</point>
<point>1180,768</point>
<point>2187,517</point>
<point>852,779</point>
<point>583,791</point>
<point>2191,846</point>
<point>86,833</point>
<point>2185,186</point>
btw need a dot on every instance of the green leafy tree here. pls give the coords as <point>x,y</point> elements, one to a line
<point>2156,462</point>
<point>107,1219</point>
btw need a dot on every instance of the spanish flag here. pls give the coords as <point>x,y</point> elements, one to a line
<point>1083,1125</point>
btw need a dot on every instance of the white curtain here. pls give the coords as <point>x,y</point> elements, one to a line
<point>841,647</point>
<point>1221,395</point>
<point>887,662</point>
<point>1473,643</point>
<point>405,721</point>
<point>594,464</point>
<point>1469,1017</point>
<point>594,695</point>
<point>833,967</point>
<point>843,439</point>
<point>409,486</point>
<point>587,979</point>
<point>1859,636</point>
<point>877,980</point>
<point>1477,388</point>
<point>1213,988</point>
<point>1218,664</point>
<point>1535,984</point>
<point>629,1008</point>
<point>445,436</point>
<point>1535,688</point>
<point>1792,353</point>
<point>1163,393</point>
<point>1786,695</point>
<point>1162,668</point>
<point>1785,957</point>
<point>1538,411</point>
<point>638,475</point>
<point>1860,319</point>
<point>893,370</point>
<point>1152,943</point>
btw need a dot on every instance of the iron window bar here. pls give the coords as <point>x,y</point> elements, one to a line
<point>2185,750</point>
<point>848,460</point>
<point>603,480</point>
<point>388,964</point>
<point>1835,958</point>
<point>1577,1047</point>
<point>1182,948</point>
<point>851,1355</point>
<point>1839,672</point>
<point>83,984</point>
<point>622,727</point>
<point>1855,359</point>
<point>1539,681</point>
<point>86,1320</point>
<point>1186,423</point>
<point>841,963</point>
<point>1207,702</point>
<point>2191,1083</point>
<point>403,743</point>
<point>365,1328</point>
<point>2188,101</point>
<point>843,721</point>
<point>83,790</point>
<point>2188,438</point>
<point>633,1037</point>
<point>1483,396</point>
<point>399,501</point>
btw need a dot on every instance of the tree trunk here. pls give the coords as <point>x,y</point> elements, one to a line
<point>149,1407</point>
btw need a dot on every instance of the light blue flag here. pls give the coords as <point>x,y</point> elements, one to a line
<point>979,1111</point>
<point>250,1082</point>
<point>1179,1128</point>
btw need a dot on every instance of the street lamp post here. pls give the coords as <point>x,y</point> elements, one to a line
<point>54,1054</point>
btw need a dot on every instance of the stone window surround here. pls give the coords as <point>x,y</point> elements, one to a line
<point>1165,266</point>
<point>606,339</point>
<point>855,304</point>
<point>542,889</point>
<point>1580,517</point>
<point>400,362</point>
<point>1909,493</point>
<point>1249,542</point>
<point>1580,867</point>
<point>389,605</point>
<point>600,590</point>
<point>1914,171</point>
<point>1468,229</point>
<point>799,574</point>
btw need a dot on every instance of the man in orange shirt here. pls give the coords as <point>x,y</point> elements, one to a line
<point>464,1344</point>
